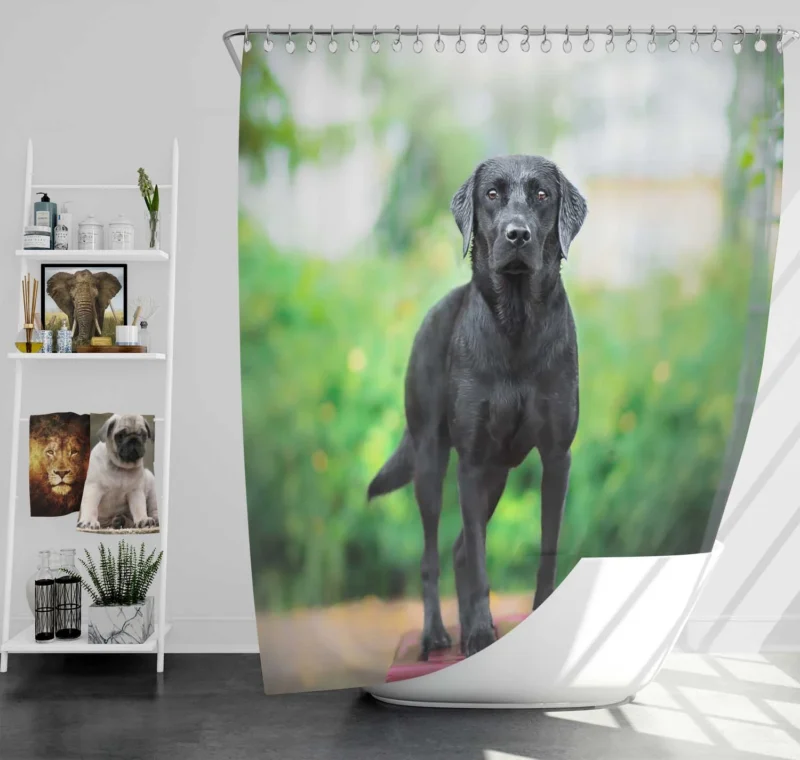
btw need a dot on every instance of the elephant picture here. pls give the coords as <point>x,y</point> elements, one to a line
<point>93,300</point>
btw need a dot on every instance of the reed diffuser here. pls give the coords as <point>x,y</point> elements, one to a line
<point>29,339</point>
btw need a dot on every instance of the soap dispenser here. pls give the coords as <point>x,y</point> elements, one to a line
<point>45,213</point>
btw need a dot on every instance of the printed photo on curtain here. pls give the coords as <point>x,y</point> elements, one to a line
<point>499,312</point>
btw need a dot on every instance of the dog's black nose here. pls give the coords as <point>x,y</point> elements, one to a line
<point>517,233</point>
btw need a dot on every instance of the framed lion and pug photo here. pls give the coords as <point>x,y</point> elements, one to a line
<point>100,466</point>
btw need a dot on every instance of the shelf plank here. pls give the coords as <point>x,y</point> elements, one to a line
<point>88,357</point>
<point>25,643</point>
<point>90,257</point>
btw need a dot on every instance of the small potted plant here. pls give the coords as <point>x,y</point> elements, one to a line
<point>150,195</point>
<point>121,612</point>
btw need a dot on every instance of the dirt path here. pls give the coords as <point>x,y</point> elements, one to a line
<point>350,644</point>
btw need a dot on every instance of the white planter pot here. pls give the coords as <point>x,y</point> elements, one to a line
<point>132,624</point>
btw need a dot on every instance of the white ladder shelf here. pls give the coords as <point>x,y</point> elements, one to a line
<point>24,641</point>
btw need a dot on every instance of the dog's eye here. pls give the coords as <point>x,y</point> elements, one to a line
<point>492,195</point>
<point>541,196</point>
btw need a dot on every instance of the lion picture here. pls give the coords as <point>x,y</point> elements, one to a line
<point>58,463</point>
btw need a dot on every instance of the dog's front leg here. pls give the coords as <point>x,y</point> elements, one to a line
<point>555,479</point>
<point>152,501</point>
<point>430,468</point>
<point>474,484</point>
<point>88,517</point>
<point>138,506</point>
<point>496,482</point>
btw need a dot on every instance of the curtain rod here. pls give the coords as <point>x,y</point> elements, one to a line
<point>786,36</point>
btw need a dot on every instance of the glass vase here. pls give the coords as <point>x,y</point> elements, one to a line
<point>29,340</point>
<point>153,221</point>
<point>68,598</point>
<point>44,601</point>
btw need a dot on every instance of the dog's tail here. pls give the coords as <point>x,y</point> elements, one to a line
<point>397,472</point>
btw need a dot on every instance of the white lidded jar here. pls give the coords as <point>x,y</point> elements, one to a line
<point>90,234</point>
<point>120,234</point>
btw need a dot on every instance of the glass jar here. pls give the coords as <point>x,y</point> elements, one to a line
<point>44,601</point>
<point>68,598</point>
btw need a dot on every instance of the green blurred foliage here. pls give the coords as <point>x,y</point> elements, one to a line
<point>324,346</point>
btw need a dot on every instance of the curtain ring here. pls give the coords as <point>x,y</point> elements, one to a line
<point>247,43</point>
<point>311,45</point>
<point>267,41</point>
<point>651,44</point>
<point>631,44</point>
<point>397,44</point>
<point>461,46</point>
<point>694,45</point>
<point>375,45</point>
<point>738,44</point>
<point>588,43</point>
<point>525,45</point>
<point>417,43</point>
<point>760,45</point>
<point>333,45</point>
<point>546,44</point>
<point>438,46</point>
<point>674,43</point>
<point>610,40</point>
<point>482,40</point>
<point>502,46</point>
<point>567,44</point>
<point>354,44</point>
<point>290,46</point>
<point>779,43</point>
<point>716,43</point>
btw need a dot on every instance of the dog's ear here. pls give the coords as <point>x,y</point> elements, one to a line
<point>107,430</point>
<point>571,213</point>
<point>150,432</point>
<point>463,210</point>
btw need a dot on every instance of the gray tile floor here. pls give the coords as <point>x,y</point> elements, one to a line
<point>212,706</point>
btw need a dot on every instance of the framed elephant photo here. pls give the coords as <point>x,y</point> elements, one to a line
<point>93,299</point>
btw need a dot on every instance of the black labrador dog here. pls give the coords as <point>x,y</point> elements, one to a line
<point>493,373</point>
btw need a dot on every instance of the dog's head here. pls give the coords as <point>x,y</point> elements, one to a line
<point>125,436</point>
<point>519,215</point>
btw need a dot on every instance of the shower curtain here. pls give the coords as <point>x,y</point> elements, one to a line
<point>508,284</point>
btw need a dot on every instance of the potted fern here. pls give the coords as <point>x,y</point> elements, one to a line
<point>121,612</point>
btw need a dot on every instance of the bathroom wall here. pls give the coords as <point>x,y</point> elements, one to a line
<point>102,88</point>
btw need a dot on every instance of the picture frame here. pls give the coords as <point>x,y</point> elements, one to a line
<point>110,280</point>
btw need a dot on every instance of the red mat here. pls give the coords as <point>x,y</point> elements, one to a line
<point>407,663</point>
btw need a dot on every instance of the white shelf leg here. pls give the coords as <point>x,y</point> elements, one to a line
<point>12,510</point>
<point>15,435</point>
<point>167,437</point>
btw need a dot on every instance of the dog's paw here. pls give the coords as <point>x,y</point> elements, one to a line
<point>480,637</point>
<point>433,640</point>
<point>148,522</point>
<point>89,524</point>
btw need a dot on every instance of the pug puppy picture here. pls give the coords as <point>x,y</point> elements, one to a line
<point>120,492</point>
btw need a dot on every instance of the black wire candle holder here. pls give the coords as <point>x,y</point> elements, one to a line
<point>44,606</point>
<point>68,598</point>
<point>68,607</point>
